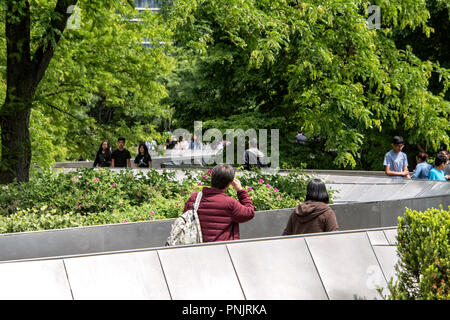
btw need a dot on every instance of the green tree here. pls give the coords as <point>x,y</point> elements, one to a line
<point>90,82</point>
<point>314,65</point>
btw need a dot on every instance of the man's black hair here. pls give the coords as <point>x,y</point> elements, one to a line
<point>317,191</point>
<point>398,140</point>
<point>440,159</point>
<point>121,139</point>
<point>222,175</point>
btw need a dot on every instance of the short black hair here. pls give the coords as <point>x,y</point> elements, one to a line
<point>317,191</point>
<point>440,159</point>
<point>397,140</point>
<point>222,175</point>
<point>121,139</point>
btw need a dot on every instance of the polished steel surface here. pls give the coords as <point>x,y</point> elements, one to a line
<point>387,257</point>
<point>136,276</point>
<point>200,272</point>
<point>391,235</point>
<point>412,188</point>
<point>347,266</point>
<point>151,234</point>
<point>438,188</point>
<point>377,238</point>
<point>379,192</point>
<point>276,269</point>
<point>35,280</point>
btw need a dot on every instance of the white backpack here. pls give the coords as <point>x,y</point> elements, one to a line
<point>186,228</point>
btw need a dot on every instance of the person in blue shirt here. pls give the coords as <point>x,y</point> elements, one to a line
<point>437,173</point>
<point>423,167</point>
<point>395,161</point>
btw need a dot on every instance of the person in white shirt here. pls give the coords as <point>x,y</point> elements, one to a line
<point>253,157</point>
<point>182,144</point>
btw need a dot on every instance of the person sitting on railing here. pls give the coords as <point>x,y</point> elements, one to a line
<point>314,214</point>
<point>395,161</point>
<point>218,213</point>
<point>423,167</point>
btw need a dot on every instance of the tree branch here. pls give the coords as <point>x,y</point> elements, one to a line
<point>44,53</point>
<point>62,111</point>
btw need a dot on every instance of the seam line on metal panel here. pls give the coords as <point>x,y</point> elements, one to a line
<point>67,277</point>
<point>235,272</point>
<point>384,234</point>
<point>164,274</point>
<point>379,264</point>
<point>317,270</point>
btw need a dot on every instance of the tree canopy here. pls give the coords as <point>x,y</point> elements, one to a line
<point>258,64</point>
<point>313,65</point>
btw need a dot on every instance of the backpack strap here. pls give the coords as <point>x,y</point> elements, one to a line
<point>197,201</point>
<point>197,220</point>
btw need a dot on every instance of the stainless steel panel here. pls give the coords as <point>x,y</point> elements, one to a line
<point>391,210</point>
<point>341,190</point>
<point>34,280</point>
<point>382,180</point>
<point>343,179</point>
<point>390,235</point>
<point>117,277</point>
<point>357,215</point>
<point>410,190</point>
<point>439,188</point>
<point>387,257</point>
<point>276,269</point>
<point>377,238</point>
<point>379,192</point>
<point>37,244</point>
<point>348,192</point>
<point>265,224</point>
<point>347,265</point>
<point>200,272</point>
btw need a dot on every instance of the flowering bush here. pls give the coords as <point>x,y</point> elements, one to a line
<point>92,197</point>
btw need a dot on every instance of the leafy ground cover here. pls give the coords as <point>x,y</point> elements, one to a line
<point>101,196</point>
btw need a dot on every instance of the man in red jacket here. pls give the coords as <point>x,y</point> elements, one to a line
<point>219,214</point>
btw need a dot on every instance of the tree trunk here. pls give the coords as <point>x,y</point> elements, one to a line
<point>23,75</point>
<point>16,146</point>
<point>15,113</point>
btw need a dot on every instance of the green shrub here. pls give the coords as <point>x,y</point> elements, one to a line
<point>423,269</point>
<point>92,197</point>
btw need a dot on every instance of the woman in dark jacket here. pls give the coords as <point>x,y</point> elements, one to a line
<point>314,215</point>
<point>103,157</point>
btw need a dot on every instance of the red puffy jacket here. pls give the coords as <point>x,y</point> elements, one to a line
<point>220,215</point>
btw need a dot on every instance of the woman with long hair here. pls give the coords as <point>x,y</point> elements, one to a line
<point>143,158</point>
<point>103,156</point>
